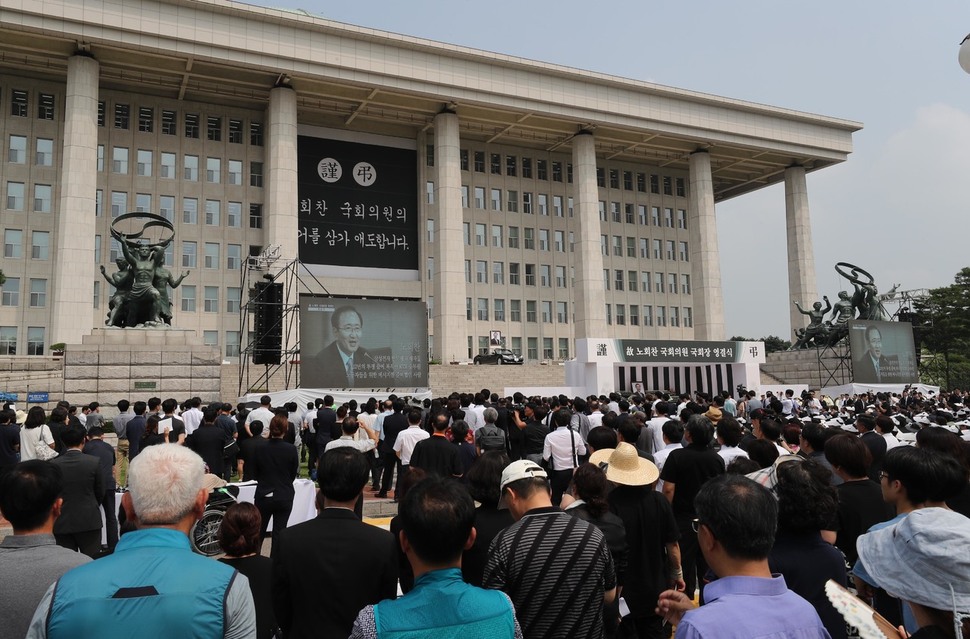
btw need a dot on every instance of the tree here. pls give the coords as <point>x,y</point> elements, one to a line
<point>773,343</point>
<point>941,330</point>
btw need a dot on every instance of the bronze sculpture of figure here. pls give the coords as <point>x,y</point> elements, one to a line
<point>816,330</point>
<point>142,282</point>
<point>864,304</point>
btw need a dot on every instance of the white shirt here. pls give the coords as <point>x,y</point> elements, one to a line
<point>260,414</point>
<point>560,446</point>
<point>660,458</point>
<point>728,453</point>
<point>308,418</point>
<point>472,419</point>
<point>891,441</point>
<point>595,419</point>
<point>192,418</point>
<point>407,439</point>
<point>348,441</point>
<point>479,411</point>
<point>30,437</point>
<point>655,426</point>
<point>787,405</point>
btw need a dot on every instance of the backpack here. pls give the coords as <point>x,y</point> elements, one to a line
<point>491,437</point>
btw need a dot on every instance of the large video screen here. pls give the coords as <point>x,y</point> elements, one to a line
<point>882,353</point>
<point>358,205</point>
<point>354,343</point>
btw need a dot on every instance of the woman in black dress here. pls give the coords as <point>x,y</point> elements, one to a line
<point>239,538</point>
<point>276,466</point>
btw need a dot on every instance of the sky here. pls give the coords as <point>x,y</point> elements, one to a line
<point>898,207</point>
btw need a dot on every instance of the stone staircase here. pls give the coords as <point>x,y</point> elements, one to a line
<point>803,367</point>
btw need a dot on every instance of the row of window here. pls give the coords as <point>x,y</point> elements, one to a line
<point>516,166</point>
<point>145,166</point>
<point>211,209</point>
<point>13,244</point>
<point>123,114</point>
<point>539,203</point>
<point>43,150</point>
<point>20,104</point>
<point>670,250</point>
<point>37,292</point>
<point>210,298</point>
<point>676,283</point>
<point>634,247</point>
<point>211,253</point>
<point>619,280</point>
<point>17,193</point>
<point>192,124</point>
<point>35,340</point>
<point>649,319</point>
<point>515,345</point>
<point>532,309</point>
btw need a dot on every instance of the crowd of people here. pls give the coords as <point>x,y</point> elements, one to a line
<point>532,517</point>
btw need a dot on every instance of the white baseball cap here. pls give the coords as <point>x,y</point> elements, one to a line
<point>521,469</point>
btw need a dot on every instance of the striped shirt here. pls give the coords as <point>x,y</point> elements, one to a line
<point>555,568</point>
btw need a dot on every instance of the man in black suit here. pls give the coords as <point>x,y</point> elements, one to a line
<point>336,553</point>
<point>58,424</point>
<point>325,423</point>
<point>875,442</point>
<point>135,428</point>
<point>874,367</point>
<point>392,425</point>
<point>97,447</point>
<point>436,455</point>
<point>248,448</point>
<point>79,526</point>
<point>208,440</point>
<point>343,364</point>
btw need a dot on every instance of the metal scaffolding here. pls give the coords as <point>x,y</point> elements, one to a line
<point>263,267</point>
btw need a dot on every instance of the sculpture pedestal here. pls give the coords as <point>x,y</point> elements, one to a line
<point>136,364</point>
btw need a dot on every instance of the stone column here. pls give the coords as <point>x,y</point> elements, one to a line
<point>74,269</point>
<point>589,299</point>
<point>801,257</point>
<point>450,325</point>
<point>704,254</point>
<point>282,203</point>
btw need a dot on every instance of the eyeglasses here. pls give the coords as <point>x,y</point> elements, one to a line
<point>696,524</point>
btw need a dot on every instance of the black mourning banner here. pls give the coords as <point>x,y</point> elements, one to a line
<point>358,204</point>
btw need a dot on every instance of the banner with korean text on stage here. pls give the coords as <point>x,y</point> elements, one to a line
<point>358,207</point>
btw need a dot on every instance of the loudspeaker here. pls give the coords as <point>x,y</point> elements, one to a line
<point>267,301</point>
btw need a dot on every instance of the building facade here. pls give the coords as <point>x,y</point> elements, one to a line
<point>555,204</point>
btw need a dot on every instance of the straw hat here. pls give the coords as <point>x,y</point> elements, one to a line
<point>21,417</point>
<point>625,466</point>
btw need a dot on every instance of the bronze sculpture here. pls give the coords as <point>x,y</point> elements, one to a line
<point>141,297</point>
<point>864,304</point>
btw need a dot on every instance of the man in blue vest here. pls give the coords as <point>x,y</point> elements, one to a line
<point>153,583</point>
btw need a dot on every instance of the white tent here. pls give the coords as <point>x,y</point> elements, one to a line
<point>303,396</point>
<point>855,389</point>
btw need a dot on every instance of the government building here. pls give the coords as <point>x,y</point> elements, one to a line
<point>546,203</point>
